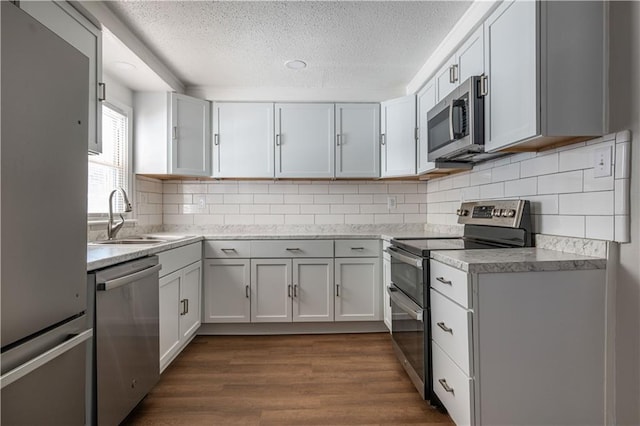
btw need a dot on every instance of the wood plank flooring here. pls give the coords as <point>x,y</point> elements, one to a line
<point>336,379</point>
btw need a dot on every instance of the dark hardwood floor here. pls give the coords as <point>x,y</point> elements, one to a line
<point>336,379</point>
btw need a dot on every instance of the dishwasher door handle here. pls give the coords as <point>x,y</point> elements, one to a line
<point>128,279</point>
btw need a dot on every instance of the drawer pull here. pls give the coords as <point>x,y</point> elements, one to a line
<point>357,248</point>
<point>443,326</point>
<point>246,291</point>
<point>289,290</point>
<point>443,281</point>
<point>446,387</point>
<point>228,249</point>
<point>293,249</point>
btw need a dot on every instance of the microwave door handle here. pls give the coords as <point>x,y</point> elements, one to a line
<point>461,104</point>
<point>451,131</point>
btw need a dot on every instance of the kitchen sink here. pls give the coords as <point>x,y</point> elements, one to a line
<point>143,239</point>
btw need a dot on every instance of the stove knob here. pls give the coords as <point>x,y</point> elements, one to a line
<point>505,212</point>
<point>496,212</point>
<point>511,213</point>
<point>462,212</point>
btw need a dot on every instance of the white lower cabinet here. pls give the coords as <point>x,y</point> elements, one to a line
<point>386,282</point>
<point>519,347</point>
<point>357,289</point>
<point>227,290</point>
<point>286,290</point>
<point>179,299</point>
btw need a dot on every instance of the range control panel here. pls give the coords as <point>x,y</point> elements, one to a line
<point>505,213</point>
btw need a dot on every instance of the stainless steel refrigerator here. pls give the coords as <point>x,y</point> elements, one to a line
<point>45,334</point>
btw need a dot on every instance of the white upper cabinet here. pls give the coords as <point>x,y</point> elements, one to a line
<point>357,140</point>
<point>426,101</point>
<point>304,140</point>
<point>467,61</point>
<point>545,65</point>
<point>172,134</point>
<point>243,140</point>
<point>75,29</point>
<point>398,139</point>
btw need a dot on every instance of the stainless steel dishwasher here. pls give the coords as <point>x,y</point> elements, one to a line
<point>127,360</point>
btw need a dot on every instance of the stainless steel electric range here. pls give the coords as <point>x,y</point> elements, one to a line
<point>487,224</point>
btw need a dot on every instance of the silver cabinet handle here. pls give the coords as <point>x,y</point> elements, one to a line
<point>278,140</point>
<point>337,290</point>
<point>444,327</point>
<point>289,290</point>
<point>455,73</point>
<point>119,282</point>
<point>338,139</point>
<point>484,85</point>
<point>175,132</point>
<point>186,306</point>
<point>444,384</point>
<point>216,139</point>
<point>383,139</point>
<point>295,290</point>
<point>443,281</point>
<point>451,75</point>
<point>228,249</point>
<point>182,307</point>
<point>102,96</point>
<point>293,249</point>
<point>357,248</point>
<point>37,362</point>
<point>246,291</point>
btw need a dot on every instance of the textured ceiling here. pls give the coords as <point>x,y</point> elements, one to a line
<point>347,44</point>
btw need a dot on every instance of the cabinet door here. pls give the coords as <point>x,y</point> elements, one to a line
<point>190,136</point>
<point>169,313</point>
<point>398,153</point>
<point>312,290</point>
<point>304,140</point>
<point>227,291</point>
<point>446,78</point>
<point>426,101</point>
<point>357,289</point>
<point>190,298</point>
<point>511,46</point>
<point>243,140</point>
<point>68,24</point>
<point>271,290</point>
<point>470,56</point>
<point>357,140</point>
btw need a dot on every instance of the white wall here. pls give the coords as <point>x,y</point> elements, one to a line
<point>625,114</point>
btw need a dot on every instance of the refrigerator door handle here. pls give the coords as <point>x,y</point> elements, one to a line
<point>37,362</point>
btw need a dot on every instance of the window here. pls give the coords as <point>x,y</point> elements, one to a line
<point>110,169</point>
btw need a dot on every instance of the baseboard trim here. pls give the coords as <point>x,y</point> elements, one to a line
<point>292,328</point>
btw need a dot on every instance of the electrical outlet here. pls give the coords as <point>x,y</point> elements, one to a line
<point>602,162</point>
<point>391,203</point>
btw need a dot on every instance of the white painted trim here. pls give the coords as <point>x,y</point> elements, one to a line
<point>101,12</point>
<point>292,328</point>
<point>472,19</point>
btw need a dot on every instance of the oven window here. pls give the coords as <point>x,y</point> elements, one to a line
<point>409,279</point>
<point>409,335</point>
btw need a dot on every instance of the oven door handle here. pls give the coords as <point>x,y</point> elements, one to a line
<point>407,305</point>
<point>409,259</point>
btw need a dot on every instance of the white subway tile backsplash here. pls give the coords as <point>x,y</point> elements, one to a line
<point>480,177</point>
<point>214,199</point>
<point>388,218</point>
<point>282,188</point>
<point>210,219</point>
<point>621,196</point>
<point>358,219</point>
<point>415,198</point>
<point>358,199</point>
<point>592,183</point>
<point>470,193</point>
<point>177,219</point>
<point>343,189</point>
<point>254,209</point>
<point>171,208</point>
<point>345,208</point>
<point>269,219</point>
<point>298,219</point>
<point>238,219</point>
<point>224,209</point>
<point>415,218</point>
<point>544,204</point>
<point>328,199</point>
<point>313,189</point>
<point>170,188</point>
<point>587,203</point>
<point>177,198</point>
<point>329,219</point>
<point>285,209</point>
<point>373,208</point>
<point>406,208</point>
<point>403,188</point>
<point>461,181</point>
<point>191,188</point>
<point>315,209</point>
<point>599,227</point>
<point>372,189</point>
<point>570,226</point>
<point>494,190</point>
<point>521,187</point>
<point>559,183</point>
<point>622,160</point>
<point>253,188</point>
<point>383,198</point>
<point>194,209</point>
<point>222,188</point>
<point>298,199</point>
<point>539,166</point>
<point>238,198</point>
<point>507,172</point>
<point>268,199</point>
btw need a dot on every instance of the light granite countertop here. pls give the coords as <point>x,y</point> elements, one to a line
<point>516,260</point>
<point>103,255</point>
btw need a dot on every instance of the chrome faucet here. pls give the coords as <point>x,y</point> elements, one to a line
<point>112,230</point>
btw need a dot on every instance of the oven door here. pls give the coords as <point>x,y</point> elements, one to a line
<point>408,273</point>
<point>409,337</point>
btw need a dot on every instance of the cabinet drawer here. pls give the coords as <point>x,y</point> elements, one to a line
<point>357,248</point>
<point>174,259</point>
<point>291,248</point>
<point>227,249</point>
<point>451,282</point>
<point>446,375</point>
<point>450,325</point>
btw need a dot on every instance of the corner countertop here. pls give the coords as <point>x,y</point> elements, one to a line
<point>516,260</point>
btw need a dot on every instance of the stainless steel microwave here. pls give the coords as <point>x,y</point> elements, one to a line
<point>455,126</point>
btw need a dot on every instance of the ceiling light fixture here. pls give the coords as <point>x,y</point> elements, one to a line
<point>295,64</point>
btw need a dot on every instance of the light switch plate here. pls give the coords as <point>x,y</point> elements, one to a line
<point>602,162</point>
